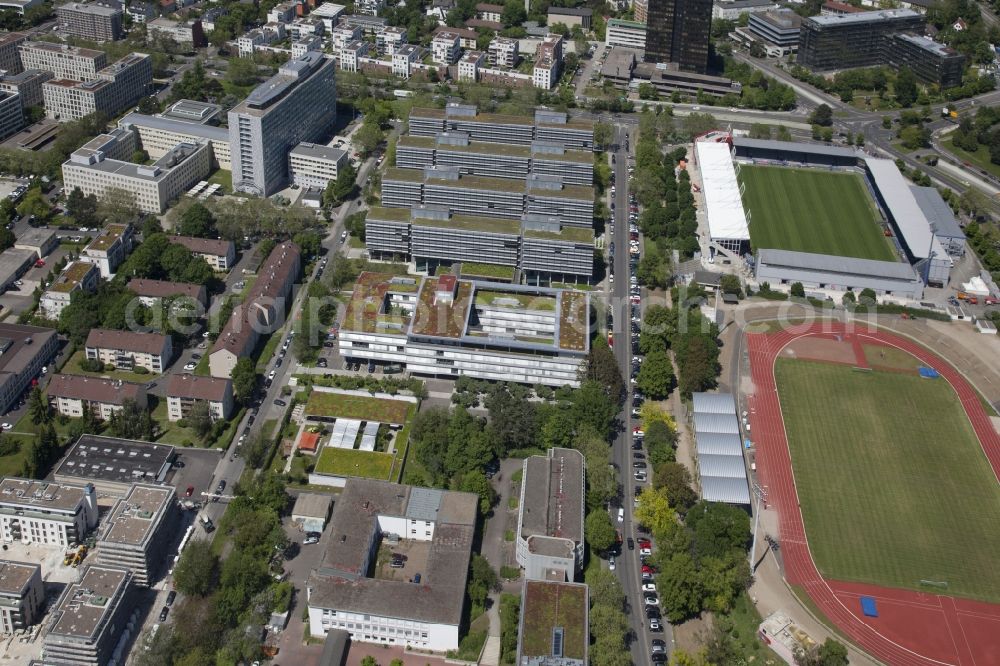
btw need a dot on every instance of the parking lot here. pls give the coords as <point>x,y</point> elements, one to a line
<point>198,472</point>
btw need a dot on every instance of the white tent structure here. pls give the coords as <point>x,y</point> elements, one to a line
<point>727,220</point>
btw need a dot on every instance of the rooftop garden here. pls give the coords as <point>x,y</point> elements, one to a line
<point>351,462</point>
<point>573,324</point>
<point>566,234</point>
<point>472,223</point>
<point>506,299</point>
<point>359,407</point>
<point>505,185</point>
<point>548,606</point>
<point>490,271</point>
<point>367,305</point>
<point>442,319</point>
<point>410,175</point>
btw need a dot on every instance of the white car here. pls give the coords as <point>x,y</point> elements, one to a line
<point>190,365</point>
<point>611,563</point>
<point>621,514</point>
<point>648,587</point>
<point>646,550</point>
<point>652,600</point>
<point>271,374</point>
<point>5,426</point>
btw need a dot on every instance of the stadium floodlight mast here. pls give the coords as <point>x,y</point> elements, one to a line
<point>760,493</point>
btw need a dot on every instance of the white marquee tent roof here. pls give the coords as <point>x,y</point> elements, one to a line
<point>724,207</point>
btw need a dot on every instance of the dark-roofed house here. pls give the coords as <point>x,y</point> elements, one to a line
<point>136,533</point>
<point>70,393</point>
<point>129,349</point>
<point>24,351</point>
<point>418,605</point>
<point>22,596</point>
<point>570,16</point>
<point>550,516</point>
<point>113,465</point>
<point>185,390</point>
<point>150,291</point>
<point>220,254</point>
<point>90,617</point>
<point>261,312</point>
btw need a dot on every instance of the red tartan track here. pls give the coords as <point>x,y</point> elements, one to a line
<point>913,627</point>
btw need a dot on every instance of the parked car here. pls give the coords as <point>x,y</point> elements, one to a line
<point>221,487</point>
<point>163,613</point>
<point>621,514</point>
<point>170,597</point>
<point>190,365</point>
<point>611,563</point>
<point>189,492</point>
<point>280,403</point>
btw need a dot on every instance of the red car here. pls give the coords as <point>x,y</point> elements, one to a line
<point>39,263</point>
<point>644,543</point>
<point>189,491</point>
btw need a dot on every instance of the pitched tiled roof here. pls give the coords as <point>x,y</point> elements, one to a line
<point>93,389</point>
<point>147,343</point>
<point>219,248</point>
<point>198,388</point>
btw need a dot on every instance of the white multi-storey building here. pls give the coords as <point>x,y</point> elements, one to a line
<point>404,58</point>
<point>78,276</point>
<point>65,62</point>
<point>305,44</point>
<point>109,249</point>
<point>158,135</point>
<point>503,52</point>
<point>469,64</point>
<point>96,21</point>
<point>116,87</point>
<point>446,47</point>
<point>351,54</point>
<point>390,39</point>
<point>314,166</point>
<point>50,514</point>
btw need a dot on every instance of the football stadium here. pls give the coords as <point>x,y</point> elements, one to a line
<point>828,217</point>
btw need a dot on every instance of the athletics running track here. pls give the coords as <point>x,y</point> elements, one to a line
<point>913,627</point>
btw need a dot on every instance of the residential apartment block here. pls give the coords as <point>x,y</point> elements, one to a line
<point>503,52</point>
<point>390,39</point>
<point>152,291</point>
<point>404,58</point>
<point>297,104</point>
<point>550,515</point>
<point>548,62</point>
<point>186,33</point>
<point>126,350</point>
<point>446,187</point>
<point>48,514</point>
<point>220,254</point>
<point>113,465</point>
<point>469,65</point>
<point>116,87</point>
<point>261,312</point>
<point>91,617</point>
<point>24,351</point>
<point>313,166</point>
<point>547,126</point>
<point>10,58</point>
<point>136,533</point>
<point>22,595</point>
<point>71,394</point>
<point>110,247</point>
<point>449,327</point>
<point>95,21</point>
<point>27,84</point>
<point>492,160</point>
<point>445,48</point>
<point>64,61</point>
<point>154,186</point>
<point>183,391</point>
<point>392,610</point>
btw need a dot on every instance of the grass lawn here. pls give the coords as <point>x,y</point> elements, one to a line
<point>224,178</point>
<point>980,159</point>
<point>351,462</point>
<point>13,463</point>
<point>268,351</point>
<point>72,367</point>
<point>893,483</point>
<point>808,210</point>
<point>364,408</point>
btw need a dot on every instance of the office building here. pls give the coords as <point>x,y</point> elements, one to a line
<point>116,87</point>
<point>77,276</point>
<point>547,126</point>
<point>94,21</point>
<point>183,391</point>
<point>554,625</point>
<point>22,595</point>
<point>154,186</point>
<point>141,11</point>
<point>627,34</point>
<point>329,13</point>
<point>150,292</point>
<point>70,395</point>
<point>158,135</point>
<point>732,10</point>
<point>65,62</point>
<point>449,327</point>
<point>419,609</point>
<point>86,625</point>
<point>679,31</point>
<point>113,465</point>
<point>10,58</point>
<point>778,30</point>
<point>110,247</point>
<point>40,240</point>
<point>137,532</point>
<point>261,312</point>
<point>297,104</point>
<point>852,40</point>
<point>314,166</point>
<point>44,513</point>
<point>492,160</point>
<point>219,254</point>
<point>550,515</point>
<point>503,52</point>
<point>24,351</point>
<point>189,34</point>
<point>11,113</point>
<point>932,62</point>
<point>27,84</point>
<point>126,350</point>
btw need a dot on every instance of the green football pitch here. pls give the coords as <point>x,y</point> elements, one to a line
<point>893,484</point>
<point>809,210</point>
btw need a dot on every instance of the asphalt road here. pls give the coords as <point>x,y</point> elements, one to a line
<point>627,565</point>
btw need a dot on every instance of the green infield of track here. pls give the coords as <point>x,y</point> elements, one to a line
<point>811,210</point>
<point>893,484</point>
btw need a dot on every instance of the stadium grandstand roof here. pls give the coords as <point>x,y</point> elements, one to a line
<point>724,489</point>
<point>794,147</point>
<point>726,217</point>
<point>719,444</point>
<point>713,403</point>
<point>895,270</point>
<point>937,211</point>
<point>913,225</point>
